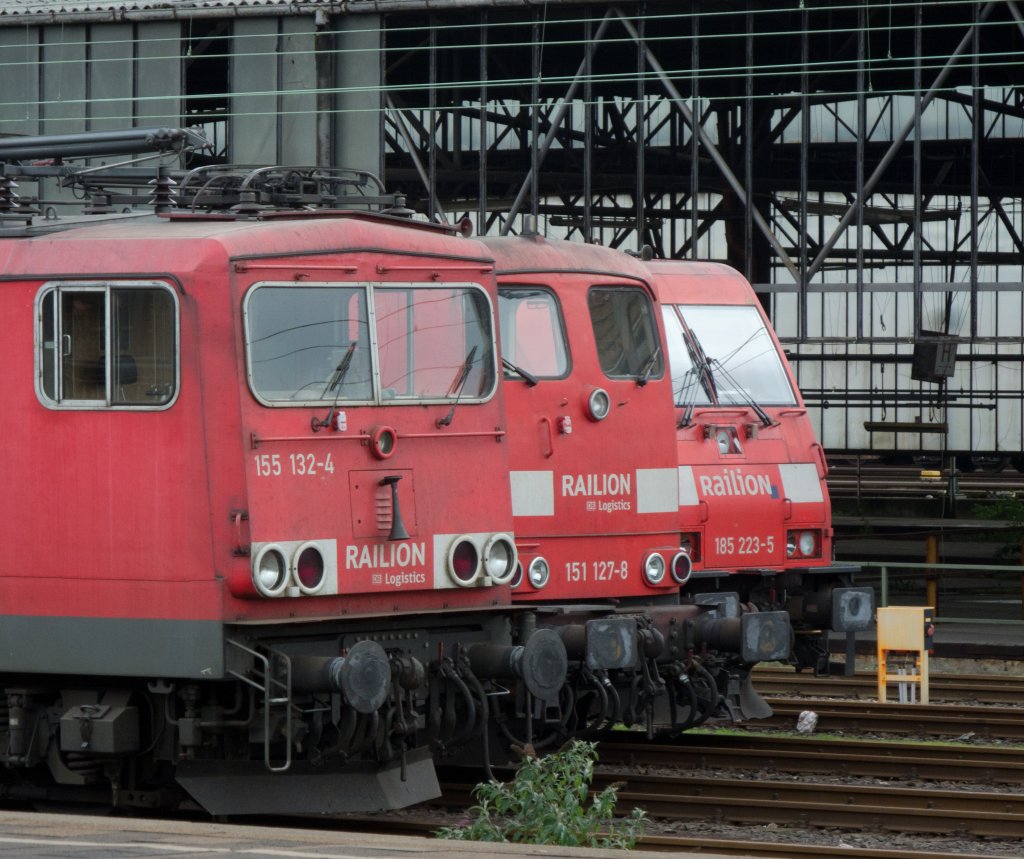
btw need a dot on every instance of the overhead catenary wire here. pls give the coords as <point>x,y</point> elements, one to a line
<point>461,44</point>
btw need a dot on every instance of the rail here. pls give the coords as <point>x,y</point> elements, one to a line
<point>932,571</point>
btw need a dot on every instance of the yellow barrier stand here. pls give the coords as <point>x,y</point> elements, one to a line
<point>904,638</point>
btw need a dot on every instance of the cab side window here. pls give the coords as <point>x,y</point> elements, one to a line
<point>107,346</point>
<point>625,333</point>
<point>532,331</point>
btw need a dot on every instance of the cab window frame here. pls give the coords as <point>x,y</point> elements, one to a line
<point>559,314</point>
<point>658,367</point>
<point>379,395</point>
<point>106,306</point>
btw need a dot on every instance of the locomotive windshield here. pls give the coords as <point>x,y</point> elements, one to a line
<point>329,343</point>
<point>627,340</point>
<point>724,354</point>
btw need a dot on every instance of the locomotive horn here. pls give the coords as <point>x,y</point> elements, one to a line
<point>398,531</point>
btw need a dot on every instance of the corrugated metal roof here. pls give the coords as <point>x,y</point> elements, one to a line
<point>58,9</point>
<point>27,12</point>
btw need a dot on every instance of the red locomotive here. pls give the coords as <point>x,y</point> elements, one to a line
<point>595,488</point>
<point>258,462</point>
<point>752,489</point>
<point>292,534</point>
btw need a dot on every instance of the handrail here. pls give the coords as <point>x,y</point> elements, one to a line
<point>269,686</point>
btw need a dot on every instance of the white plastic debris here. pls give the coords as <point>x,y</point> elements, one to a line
<point>806,722</point>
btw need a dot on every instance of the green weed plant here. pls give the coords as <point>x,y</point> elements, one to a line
<point>547,803</point>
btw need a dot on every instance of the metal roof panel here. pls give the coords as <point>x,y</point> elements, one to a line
<point>52,9</point>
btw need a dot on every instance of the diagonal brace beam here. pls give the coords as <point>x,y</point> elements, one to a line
<point>898,141</point>
<point>709,146</point>
<point>556,121</point>
<point>403,128</point>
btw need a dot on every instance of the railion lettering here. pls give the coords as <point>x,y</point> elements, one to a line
<point>732,481</point>
<point>385,556</point>
<point>596,485</point>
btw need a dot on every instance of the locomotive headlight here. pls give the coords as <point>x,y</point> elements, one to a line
<point>681,567</point>
<point>690,543</point>
<point>538,573</point>
<point>808,544</point>
<point>790,544</point>
<point>500,559</point>
<point>463,561</point>
<point>383,440</point>
<point>599,404</point>
<point>654,569</point>
<point>803,544</point>
<point>308,571</point>
<point>270,571</point>
<point>724,441</point>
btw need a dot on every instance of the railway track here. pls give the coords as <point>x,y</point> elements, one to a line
<point>751,795</point>
<point>760,802</point>
<point>876,480</point>
<point>722,780</point>
<point>425,825</point>
<point>915,720</point>
<point>968,688</point>
<point>874,759</point>
<point>771,780</point>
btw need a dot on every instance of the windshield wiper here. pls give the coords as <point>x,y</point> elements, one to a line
<point>339,372</point>
<point>701,364</point>
<point>530,379</point>
<point>644,375</point>
<point>687,417</point>
<point>460,383</point>
<point>335,382</point>
<point>745,396</point>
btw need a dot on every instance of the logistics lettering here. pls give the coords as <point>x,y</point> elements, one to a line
<point>396,580</point>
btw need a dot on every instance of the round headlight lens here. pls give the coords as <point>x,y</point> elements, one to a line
<point>500,559</point>
<point>654,568</point>
<point>309,570</point>
<point>463,561</point>
<point>538,573</point>
<point>808,543</point>
<point>681,568</point>
<point>599,404</point>
<point>270,571</point>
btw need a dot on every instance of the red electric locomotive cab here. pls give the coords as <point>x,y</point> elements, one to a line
<point>751,473</point>
<point>594,497</point>
<point>257,469</point>
<point>595,491</point>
